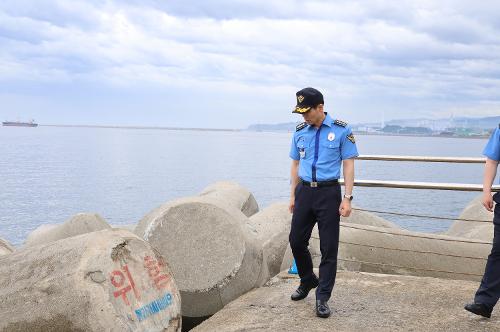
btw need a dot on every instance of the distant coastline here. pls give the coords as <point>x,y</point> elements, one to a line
<point>250,130</point>
<point>140,127</point>
<point>460,127</point>
<point>416,135</point>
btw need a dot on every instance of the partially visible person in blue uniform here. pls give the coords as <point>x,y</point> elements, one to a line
<point>320,147</point>
<point>489,291</point>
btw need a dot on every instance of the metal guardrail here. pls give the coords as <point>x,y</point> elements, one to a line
<point>417,185</point>
<point>458,160</point>
<point>421,185</point>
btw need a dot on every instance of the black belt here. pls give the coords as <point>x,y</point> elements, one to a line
<point>320,183</point>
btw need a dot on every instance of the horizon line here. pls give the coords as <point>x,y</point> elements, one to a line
<point>137,127</point>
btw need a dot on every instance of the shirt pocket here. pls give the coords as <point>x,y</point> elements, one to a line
<point>331,148</point>
<point>305,147</point>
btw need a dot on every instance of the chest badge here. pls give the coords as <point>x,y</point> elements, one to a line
<point>302,153</point>
<point>331,136</point>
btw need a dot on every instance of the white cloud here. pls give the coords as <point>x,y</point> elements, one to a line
<point>429,53</point>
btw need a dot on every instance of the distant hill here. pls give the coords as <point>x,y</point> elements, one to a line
<point>289,126</point>
<point>442,124</point>
<point>486,123</point>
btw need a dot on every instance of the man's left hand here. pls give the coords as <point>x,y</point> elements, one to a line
<point>345,208</point>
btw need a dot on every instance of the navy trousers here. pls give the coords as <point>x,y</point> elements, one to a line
<point>489,290</point>
<point>319,205</point>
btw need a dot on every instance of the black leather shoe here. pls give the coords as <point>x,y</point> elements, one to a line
<point>322,309</point>
<point>479,309</point>
<point>303,290</point>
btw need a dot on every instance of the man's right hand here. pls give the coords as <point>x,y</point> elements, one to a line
<point>291,205</point>
<point>488,201</point>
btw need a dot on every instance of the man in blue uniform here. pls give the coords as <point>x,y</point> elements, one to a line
<point>489,291</point>
<point>320,146</point>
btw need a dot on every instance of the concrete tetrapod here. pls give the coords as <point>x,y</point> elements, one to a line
<point>474,229</point>
<point>233,194</point>
<point>356,217</point>
<point>367,218</point>
<point>109,280</point>
<point>273,227</point>
<point>128,227</point>
<point>211,248</point>
<point>393,251</point>
<point>80,223</point>
<point>5,247</point>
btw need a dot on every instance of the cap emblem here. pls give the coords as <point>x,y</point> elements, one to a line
<point>300,98</point>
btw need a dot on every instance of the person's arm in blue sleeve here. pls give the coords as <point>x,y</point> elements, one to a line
<point>348,147</point>
<point>348,151</point>
<point>492,149</point>
<point>492,152</point>
<point>294,178</point>
<point>294,150</point>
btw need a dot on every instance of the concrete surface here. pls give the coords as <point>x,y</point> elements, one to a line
<point>109,280</point>
<point>474,230</point>
<point>128,227</point>
<point>367,218</point>
<point>396,251</point>
<point>80,223</point>
<point>211,247</point>
<point>272,227</point>
<point>233,194</point>
<point>5,247</point>
<point>360,302</point>
<point>356,217</point>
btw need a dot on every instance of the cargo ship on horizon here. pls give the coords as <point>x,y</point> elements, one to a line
<point>20,124</point>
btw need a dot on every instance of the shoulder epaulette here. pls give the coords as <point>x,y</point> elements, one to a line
<point>340,123</point>
<point>301,126</point>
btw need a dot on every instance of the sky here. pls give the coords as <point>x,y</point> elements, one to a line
<point>232,63</point>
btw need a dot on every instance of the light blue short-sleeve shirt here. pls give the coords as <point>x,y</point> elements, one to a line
<point>492,149</point>
<point>320,151</point>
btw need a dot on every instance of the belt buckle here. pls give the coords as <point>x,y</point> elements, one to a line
<point>314,184</point>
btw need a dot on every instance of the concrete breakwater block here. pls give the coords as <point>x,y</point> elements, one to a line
<point>484,232</point>
<point>356,217</point>
<point>109,280</point>
<point>80,223</point>
<point>287,261</point>
<point>128,227</point>
<point>272,226</point>
<point>5,247</point>
<point>471,229</point>
<point>211,248</point>
<point>233,194</point>
<point>367,218</point>
<point>392,251</point>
